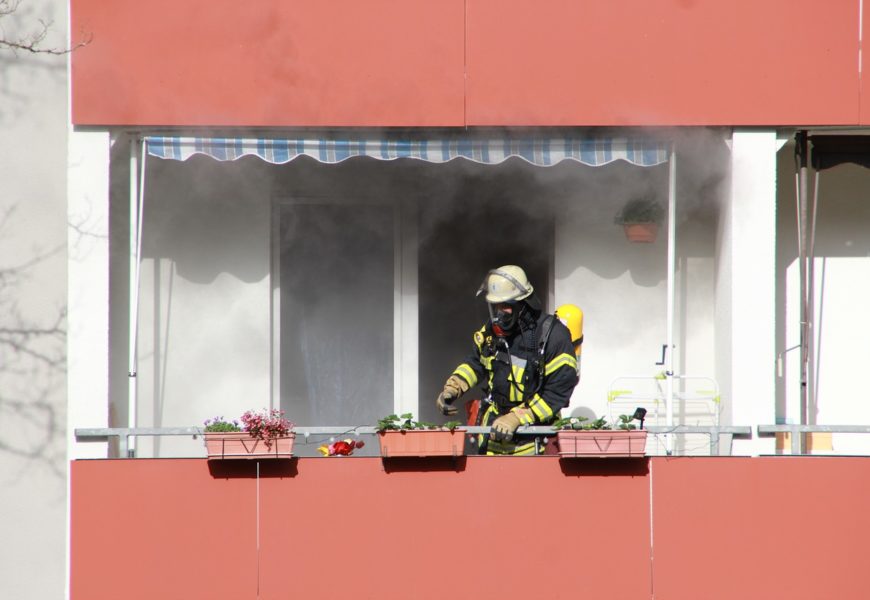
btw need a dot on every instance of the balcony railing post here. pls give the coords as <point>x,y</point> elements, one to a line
<point>714,441</point>
<point>796,440</point>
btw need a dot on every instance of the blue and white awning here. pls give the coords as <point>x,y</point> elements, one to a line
<point>541,151</point>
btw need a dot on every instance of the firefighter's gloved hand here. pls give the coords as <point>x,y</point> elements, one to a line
<point>504,427</point>
<point>455,387</point>
<point>445,404</point>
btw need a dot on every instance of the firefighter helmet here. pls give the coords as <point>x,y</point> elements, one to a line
<point>506,284</point>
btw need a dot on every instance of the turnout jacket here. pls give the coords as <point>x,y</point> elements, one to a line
<point>518,372</point>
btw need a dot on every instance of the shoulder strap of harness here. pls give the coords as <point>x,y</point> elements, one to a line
<point>544,336</point>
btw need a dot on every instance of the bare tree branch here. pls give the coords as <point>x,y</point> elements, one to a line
<point>32,42</point>
<point>32,369</point>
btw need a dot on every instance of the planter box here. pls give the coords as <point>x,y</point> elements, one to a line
<point>241,445</point>
<point>420,442</point>
<point>601,443</point>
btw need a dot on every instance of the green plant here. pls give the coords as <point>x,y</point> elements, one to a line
<point>580,423</point>
<point>406,422</point>
<point>640,210</point>
<point>625,422</point>
<point>219,425</point>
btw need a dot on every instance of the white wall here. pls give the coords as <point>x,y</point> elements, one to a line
<point>33,150</point>
<point>751,253</point>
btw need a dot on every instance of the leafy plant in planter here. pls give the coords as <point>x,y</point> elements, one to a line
<point>406,422</point>
<point>580,424</point>
<point>262,434</point>
<point>640,218</point>
<point>219,425</point>
<point>401,435</point>
<point>577,438</point>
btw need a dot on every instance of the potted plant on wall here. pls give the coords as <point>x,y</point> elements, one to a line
<point>578,438</point>
<point>640,219</point>
<point>263,434</point>
<point>401,435</point>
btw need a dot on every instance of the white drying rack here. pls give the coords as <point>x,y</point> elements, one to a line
<point>696,402</point>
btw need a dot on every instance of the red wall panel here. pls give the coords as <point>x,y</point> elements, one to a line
<point>779,527</point>
<point>404,63</point>
<point>662,62</point>
<point>864,78</point>
<point>274,63</point>
<point>435,534</point>
<point>160,529</point>
<point>357,528</point>
<point>674,528</point>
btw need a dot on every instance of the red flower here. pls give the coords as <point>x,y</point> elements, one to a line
<point>343,448</point>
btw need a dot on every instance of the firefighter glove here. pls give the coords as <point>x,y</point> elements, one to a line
<point>504,427</point>
<point>455,387</point>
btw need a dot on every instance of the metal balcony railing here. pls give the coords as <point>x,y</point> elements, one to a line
<point>796,431</point>
<point>720,436</point>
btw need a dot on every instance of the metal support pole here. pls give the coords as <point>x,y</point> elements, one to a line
<point>672,238</point>
<point>811,309</point>
<point>137,197</point>
<point>802,151</point>
<point>133,292</point>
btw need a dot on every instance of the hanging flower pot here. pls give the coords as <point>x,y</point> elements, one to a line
<point>640,218</point>
<point>641,232</point>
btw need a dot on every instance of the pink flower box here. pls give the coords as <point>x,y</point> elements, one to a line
<point>604,443</point>
<point>219,446</point>
<point>422,442</point>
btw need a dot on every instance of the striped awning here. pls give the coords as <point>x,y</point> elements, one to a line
<point>541,151</point>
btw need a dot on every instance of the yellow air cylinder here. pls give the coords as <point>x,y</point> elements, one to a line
<point>572,318</point>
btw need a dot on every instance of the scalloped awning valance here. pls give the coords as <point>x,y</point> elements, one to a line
<point>541,151</point>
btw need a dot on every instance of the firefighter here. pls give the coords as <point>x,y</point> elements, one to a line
<point>523,357</point>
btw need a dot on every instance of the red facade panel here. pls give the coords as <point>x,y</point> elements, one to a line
<point>676,528</point>
<point>404,63</point>
<point>864,79</point>
<point>160,529</point>
<point>662,62</point>
<point>279,63</point>
<point>785,527</point>
<point>415,532</point>
<point>355,527</point>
